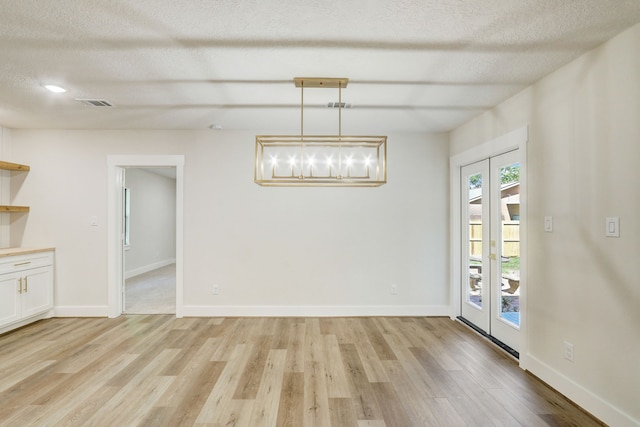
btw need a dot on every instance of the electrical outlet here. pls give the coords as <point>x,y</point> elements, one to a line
<point>568,351</point>
<point>394,289</point>
<point>216,290</point>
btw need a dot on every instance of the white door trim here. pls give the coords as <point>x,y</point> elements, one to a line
<point>516,139</point>
<point>115,165</point>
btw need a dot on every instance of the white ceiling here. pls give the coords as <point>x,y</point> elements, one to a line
<point>413,65</point>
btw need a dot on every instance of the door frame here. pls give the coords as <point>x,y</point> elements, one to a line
<point>516,139</point>
<point>115,250</point>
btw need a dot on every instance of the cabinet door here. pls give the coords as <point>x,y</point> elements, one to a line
<point>10,298</point>
<point>37,295</point>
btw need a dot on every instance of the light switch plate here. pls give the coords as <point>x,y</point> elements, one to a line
<point>548,224</point>
<point>612,226</point>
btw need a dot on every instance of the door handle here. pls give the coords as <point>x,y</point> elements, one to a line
<point>26,283</point>
<point>20,285</point>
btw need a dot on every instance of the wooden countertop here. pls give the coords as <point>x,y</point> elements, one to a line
<point>22,251</point>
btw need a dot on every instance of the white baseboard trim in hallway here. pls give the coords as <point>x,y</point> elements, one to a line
<point>147,268</point>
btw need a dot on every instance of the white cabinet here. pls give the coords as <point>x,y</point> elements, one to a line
<point>10,299</point>
<point>26,288</point>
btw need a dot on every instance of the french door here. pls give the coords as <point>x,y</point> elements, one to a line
<point>490,286</point>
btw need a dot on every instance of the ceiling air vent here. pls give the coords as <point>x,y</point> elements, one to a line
<point>338,105</point>
<point>95,102</point>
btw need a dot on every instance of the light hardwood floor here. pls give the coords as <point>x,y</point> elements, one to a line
<point>157,370</point>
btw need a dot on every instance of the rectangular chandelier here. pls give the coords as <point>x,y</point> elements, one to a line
<point>354,161</point>
<point>320,160</point>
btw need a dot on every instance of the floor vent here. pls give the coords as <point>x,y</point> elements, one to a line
<point>95,102</point>
<point>339,104</point>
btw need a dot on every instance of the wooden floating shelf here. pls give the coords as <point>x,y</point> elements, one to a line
<point>14,166</point>
<point>5,208</point>
<point>18,168</point>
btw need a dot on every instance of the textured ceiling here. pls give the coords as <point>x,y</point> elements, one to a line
<point>413,65</point>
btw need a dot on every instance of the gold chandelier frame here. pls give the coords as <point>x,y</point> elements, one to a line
<point>320,160</point>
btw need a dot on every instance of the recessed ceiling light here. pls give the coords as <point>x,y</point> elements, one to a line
<point>55,88</point>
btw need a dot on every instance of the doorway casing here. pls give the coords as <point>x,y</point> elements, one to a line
<point>115,266</point>
<point>516,139</point>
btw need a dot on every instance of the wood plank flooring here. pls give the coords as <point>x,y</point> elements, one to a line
<point>156,370</point>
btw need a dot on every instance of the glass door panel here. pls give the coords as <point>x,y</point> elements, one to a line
<point>475,226</point>
<point>505,202</point>
<point>474,222</point>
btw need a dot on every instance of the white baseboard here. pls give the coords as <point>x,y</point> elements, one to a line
<point>82,311</point>
<point>272,311</point>
<point>311,311</point>
<point>146,268</point>
<point>586,399</point>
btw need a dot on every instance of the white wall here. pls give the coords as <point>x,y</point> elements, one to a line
<point>152,220</point>
<point>281,249</point>
<point>583,155</point>
<point>5,189</point>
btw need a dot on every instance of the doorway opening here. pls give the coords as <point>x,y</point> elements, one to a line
<point>149,201</point>
<point>117,265</point>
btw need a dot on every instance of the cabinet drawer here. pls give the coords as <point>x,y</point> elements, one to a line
<point>25,262</point>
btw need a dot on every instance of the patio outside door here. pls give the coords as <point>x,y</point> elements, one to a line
<point>490,288</point>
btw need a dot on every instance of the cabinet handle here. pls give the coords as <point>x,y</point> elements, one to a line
<point>22,263</point>
<point>26,283</point>
<point>20,282</point>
